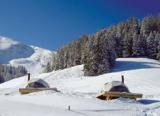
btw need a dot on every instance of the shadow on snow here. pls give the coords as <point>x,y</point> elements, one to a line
<point>147,101</point>
<point>133,65</point>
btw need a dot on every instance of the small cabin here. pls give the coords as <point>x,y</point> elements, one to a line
<point>36,85</point>
<point>116,89</point>
<point>116,86</point>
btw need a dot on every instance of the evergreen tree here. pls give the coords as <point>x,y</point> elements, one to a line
<point>127,45</point>
<point>151,46</point>
<point>157,39</point>
<point>138,48</point>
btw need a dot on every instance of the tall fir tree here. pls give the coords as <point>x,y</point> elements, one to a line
<point>151,46</point>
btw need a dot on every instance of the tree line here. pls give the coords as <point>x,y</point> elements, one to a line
<point>8,72</point>
<point>131,38</point>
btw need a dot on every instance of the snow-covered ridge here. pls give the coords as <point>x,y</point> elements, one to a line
<point>34,59</point>
<point>37,62</point>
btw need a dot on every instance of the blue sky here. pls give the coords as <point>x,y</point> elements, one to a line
<point>53,23</point>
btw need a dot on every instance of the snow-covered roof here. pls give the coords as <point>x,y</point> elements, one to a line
<point>110,85</point>
<point>39,81</point>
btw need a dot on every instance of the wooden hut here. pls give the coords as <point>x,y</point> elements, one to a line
<point>35,85</point>
<point>116,86</point>
<point>116,89</point>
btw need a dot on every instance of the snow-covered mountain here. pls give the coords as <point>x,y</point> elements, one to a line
<point>34,59</point>
<point>78,92</point>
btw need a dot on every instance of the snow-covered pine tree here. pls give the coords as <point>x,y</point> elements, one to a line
<point>138,48</point>
<point>90,64</point>
<point>157,39</point>
<point>101,54</point>
<point>151,46</point>
<point>127,45</point>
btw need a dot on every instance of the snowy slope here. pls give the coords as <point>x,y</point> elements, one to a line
<point>141,76</point>
<point>34,59</point>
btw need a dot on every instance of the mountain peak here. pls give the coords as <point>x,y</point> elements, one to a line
<point>34,59</point>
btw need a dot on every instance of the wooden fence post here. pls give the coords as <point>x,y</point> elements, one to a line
<point>69,108</point>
